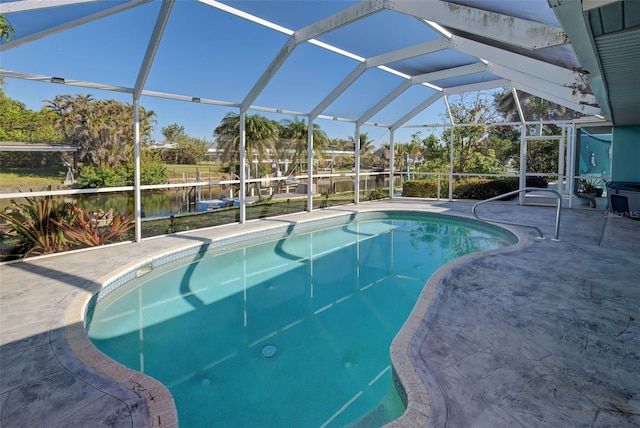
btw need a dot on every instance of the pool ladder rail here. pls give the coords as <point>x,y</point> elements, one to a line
<point>525,189</point>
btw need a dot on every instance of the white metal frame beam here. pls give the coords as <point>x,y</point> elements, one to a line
<point>152,47</point>
<point>583,108</point>
<point>563,95</point>
<point>514,94</point>
<point>481,86</point>
<point>244,15</point>
<point>29,5</point>
<point>448,73</point>
<point>126,90</point>
<point>384,102</point>
<point>514,61</point>
<point>503,28</point>
<point>377,61</point>
<point>570,14</point>
<point>451,146</point>
<point>409,52</point>
<point>338,90</point>
<point>344,17</point>
<point>19,41</point>
<point>416,80</point>
<point>415,111</point>
<point>447,91</point>
<point>62,81</point>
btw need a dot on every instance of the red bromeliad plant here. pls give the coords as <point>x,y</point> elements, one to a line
<point>82,229</point>
<point>45,226</point>
<point>37,224</point>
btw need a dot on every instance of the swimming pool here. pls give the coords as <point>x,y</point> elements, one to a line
<point>285,330</point>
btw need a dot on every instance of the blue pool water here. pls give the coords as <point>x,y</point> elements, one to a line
<point>288,332</point>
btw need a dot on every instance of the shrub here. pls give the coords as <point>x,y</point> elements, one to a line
<point>36,225</point>
<point>482,188</point>
<point>378,193</point>
<point>422,188</point>
<point>470,188</point>
<point>94,176</point>
<point>28,159</point>
<point>151,172</point>
<point>101,176</point>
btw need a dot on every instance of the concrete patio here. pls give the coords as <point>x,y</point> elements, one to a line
<point>543,334</point>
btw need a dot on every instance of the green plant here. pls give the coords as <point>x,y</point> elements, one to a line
<point>152,171</point>
<point>45,226</point>
<point>422,188</point>
<point>587,186</point>
<point>36,224</point>
<point>91,176</point>
<point>376,194</point>
<point>468,188</point>
<point>482,188</point>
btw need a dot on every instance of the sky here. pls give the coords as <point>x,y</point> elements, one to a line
<point>209,53</point>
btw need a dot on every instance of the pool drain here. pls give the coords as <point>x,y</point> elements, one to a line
<point>269,352</point>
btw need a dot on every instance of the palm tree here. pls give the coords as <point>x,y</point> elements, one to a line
<point>261,134</point>
<point>6,29</point>
<point>402,153</point>
<point>505,103</point>
<point>366,148</point>
<point>294,134</point>
<point>103,130</point>
<point>407,153</point>
<point>386,151</point>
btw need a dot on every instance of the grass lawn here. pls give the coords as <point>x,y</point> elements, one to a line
<point>175,171</point>
<point>23,178</point>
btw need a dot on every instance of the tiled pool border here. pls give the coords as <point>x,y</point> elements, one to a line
<point>161,405</point>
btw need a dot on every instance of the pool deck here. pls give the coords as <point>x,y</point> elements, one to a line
<point>542,334</point>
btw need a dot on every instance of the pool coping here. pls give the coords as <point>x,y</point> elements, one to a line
<point>405,347</point>
<point>159,400</point>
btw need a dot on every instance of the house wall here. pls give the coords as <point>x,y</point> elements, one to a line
<point>626,154</point>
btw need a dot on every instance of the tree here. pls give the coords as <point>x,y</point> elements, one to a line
<point>366,149</point>
<point>533,108</point>
<point>505,149</point>
<point>18,123</point>
<point>470,142</point>
<point>542,156</point>
<point>6,29</point>
<point>505,103</point>
<point>339,160</point>
<point>102,129</point>
<point>173,132</point>
<point>189,150</point>
<point>260,134</point>
<point>435,155</point>
<point>294,136</point>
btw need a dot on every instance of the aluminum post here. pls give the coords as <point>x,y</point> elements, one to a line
<point>137,202</point>
<point>242,194</point>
